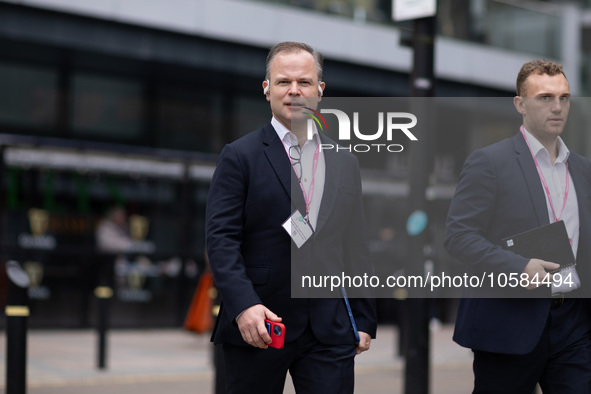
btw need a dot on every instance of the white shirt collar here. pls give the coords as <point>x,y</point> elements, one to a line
<point>286,136</point>
<point>537,148</point>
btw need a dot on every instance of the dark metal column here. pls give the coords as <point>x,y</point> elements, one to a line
<point>417,336</point>
<point>17,315</point>
<point>103,293</point>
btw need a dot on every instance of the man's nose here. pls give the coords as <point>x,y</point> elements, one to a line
<point>294,89</point>
<point>557,104</point>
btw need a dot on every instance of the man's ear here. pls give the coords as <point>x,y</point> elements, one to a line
<point>518,103</point>
<point>321,87</point>
<point>266,88</point>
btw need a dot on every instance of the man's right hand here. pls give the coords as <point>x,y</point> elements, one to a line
<point>251,323</point>
<point>539,267</point>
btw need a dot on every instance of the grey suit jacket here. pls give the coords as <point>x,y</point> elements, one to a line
<point>499,194</point>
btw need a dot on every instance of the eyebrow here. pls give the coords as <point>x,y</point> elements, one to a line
<point>284,78</point>
<point>548,94</point>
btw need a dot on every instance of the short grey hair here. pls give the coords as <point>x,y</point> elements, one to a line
<point>292,46</point>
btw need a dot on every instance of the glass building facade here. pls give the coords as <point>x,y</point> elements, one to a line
<point>97,112</point>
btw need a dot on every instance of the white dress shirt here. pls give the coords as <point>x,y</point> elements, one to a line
<point>555,175</point>
<point>307,158</point>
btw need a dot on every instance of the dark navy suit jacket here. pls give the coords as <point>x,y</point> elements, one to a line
<point>250,253</point>
<point>499,194</point>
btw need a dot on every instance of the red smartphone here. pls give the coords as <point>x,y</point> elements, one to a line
<point>277,332</point>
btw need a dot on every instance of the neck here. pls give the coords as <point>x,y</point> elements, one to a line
<point>301,134</point>
<point>549,142</point>
<point>553,151</point>
<point>551,145</point>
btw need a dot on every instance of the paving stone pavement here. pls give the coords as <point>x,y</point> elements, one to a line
<point>175,361</point>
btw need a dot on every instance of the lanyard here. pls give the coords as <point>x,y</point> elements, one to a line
<point>545,184</point>
<point>310,193</point>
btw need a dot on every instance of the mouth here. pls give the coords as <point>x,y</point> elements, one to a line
<point>295,105</point>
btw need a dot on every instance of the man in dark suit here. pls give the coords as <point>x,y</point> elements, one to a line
<point>516,185</point>
<point>260,180</point>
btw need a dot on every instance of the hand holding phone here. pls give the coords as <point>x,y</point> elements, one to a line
<point>277,333</point>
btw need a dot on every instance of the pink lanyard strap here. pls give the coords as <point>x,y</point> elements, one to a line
<point>545,184</point>
<point>310,194</point>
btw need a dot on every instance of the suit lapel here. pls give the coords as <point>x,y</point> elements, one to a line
<point>583,191</point>
<point>297,196</point>
<point>275,153</point>
<point>532,179</point>
<point>332,178</point>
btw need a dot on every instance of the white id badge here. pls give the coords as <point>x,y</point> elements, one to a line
<point>298,228</point>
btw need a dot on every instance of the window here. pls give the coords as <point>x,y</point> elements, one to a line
<point>188,119</point>
<point>106,107</point>
<point>29,95</point>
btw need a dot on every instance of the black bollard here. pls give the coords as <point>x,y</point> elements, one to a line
<point>17,313</point>
<point>103,293</point>
<point>218,351</point>
<point>220,375</point>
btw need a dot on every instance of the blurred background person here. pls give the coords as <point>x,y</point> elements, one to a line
<point>112,233</point>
